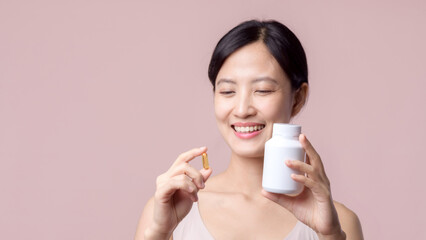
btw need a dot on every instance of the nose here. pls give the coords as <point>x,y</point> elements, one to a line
<point>244,106</point>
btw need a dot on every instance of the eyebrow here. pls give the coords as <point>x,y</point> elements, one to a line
<point>261,79</point>
<point>267,79</point>
<point>225,80</point>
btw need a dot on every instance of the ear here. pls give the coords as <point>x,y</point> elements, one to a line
<point>299,99</point>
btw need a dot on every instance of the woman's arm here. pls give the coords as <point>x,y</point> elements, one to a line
<point>145,221</point>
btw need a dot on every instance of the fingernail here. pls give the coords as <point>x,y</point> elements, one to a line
<point>203,147</point>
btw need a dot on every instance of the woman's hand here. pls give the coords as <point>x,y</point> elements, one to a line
<point>314,206</point>
<point>176,191</point>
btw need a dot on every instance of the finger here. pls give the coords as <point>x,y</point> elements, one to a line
<point>193,196</point>
<point>281,199</point>
<point>181,182</point>
<point>312,155</point>
<point>308,182</point>
<point>316,188</point>
<point>189,155</point>
<point>300,166</point>
<point>191,172</point>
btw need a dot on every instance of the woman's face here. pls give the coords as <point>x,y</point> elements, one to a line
<point>252,92</point>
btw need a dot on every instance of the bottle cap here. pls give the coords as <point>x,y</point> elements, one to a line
<point>286,130</point>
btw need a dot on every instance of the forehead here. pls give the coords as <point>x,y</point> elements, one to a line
<point>250,62</point>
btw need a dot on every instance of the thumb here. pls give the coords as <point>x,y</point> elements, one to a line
<point>283,200</point>
<point>206,173</point>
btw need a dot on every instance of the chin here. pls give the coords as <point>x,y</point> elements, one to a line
<point>254,148</point>
<point>249,151</point>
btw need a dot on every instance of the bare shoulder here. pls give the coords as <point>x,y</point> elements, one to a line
<point>349,221</point>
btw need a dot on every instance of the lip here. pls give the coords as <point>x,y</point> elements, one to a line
<point>246,124</point>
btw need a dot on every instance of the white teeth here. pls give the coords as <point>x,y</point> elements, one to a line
<point>248,129</point>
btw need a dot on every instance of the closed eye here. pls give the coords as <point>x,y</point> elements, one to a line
<point>264,91</point>
<point>226,92</point>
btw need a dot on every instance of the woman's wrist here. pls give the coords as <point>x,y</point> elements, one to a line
<point>338,236</point>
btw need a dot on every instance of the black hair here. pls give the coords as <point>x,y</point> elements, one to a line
<point>280,41</point>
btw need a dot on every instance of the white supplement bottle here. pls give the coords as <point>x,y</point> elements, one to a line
<point>284,145</point>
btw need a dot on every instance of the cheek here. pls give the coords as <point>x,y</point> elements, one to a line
<point>277,110</point>
<point>220,109</point>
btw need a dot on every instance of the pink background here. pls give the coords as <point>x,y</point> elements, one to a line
<point>97,98</point>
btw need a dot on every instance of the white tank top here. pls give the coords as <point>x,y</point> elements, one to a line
<point>193,228</point>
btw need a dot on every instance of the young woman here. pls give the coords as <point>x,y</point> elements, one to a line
<point>260,77</point>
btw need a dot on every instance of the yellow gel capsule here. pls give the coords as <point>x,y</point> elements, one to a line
<point>205,161</point>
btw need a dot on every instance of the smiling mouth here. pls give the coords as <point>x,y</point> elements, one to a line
<point>247,129</point>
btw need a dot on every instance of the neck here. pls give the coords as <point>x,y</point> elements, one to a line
<point>245,174</point>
